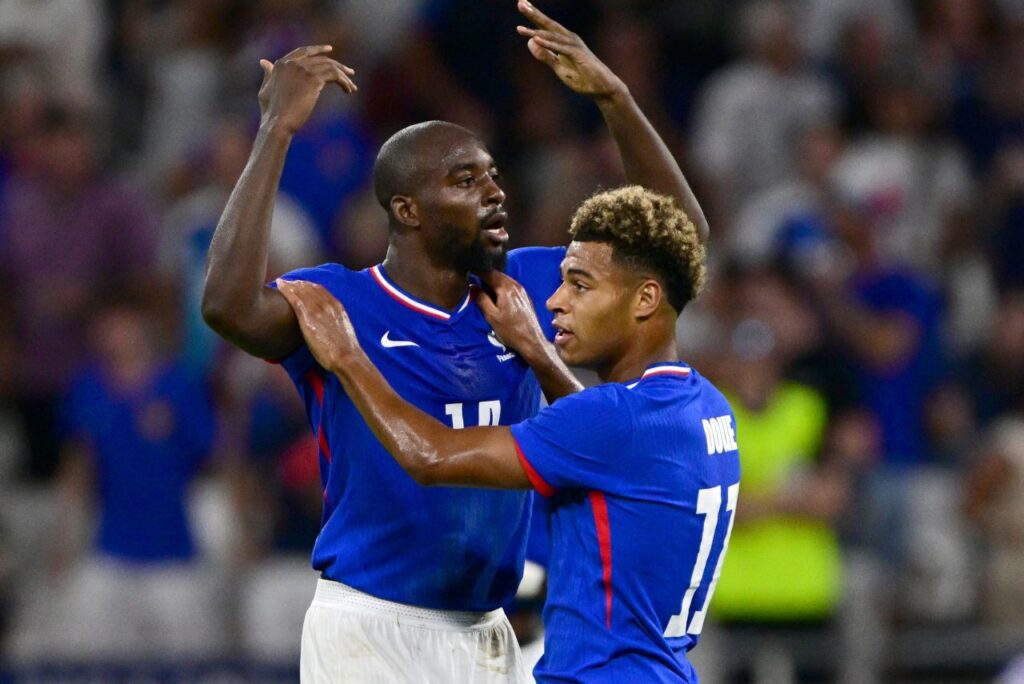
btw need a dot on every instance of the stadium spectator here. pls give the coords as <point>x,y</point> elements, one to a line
<point>995,495</point>
<point>181,47</point>
<point>1005,214</point>
<point>137,430</point>
<point>60,41</point>
<point>914,186</point>
<point>69,232</point>
<point>749,113</point>
<point>784,573</point>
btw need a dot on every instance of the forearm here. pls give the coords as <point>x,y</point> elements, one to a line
<point>418,442</point>
<point>234,293</point>
<point>645,156</point>
<point>429,451</point>
<point>555,378</point>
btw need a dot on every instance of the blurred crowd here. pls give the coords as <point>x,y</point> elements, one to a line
<point>861,163</point>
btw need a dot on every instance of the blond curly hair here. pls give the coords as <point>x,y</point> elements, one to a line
<point>649,233</point>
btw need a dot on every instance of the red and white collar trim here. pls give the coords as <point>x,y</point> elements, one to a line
<point>378,274</point>
<point>665,370</point>
<point>661,370</point>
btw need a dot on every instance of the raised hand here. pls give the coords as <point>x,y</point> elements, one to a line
<point>323,320</point>
<point>567,55</point>
<point>292,85</point>
<point>510,313</point>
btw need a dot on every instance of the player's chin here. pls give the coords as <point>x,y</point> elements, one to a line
<point>493,258</point>
<point>568,353</point>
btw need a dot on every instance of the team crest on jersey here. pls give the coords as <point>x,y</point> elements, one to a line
<point>505,354</point>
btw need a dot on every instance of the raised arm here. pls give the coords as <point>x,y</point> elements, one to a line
<point>646,158</point>
<point>431,452</point>
<point>236,304</point>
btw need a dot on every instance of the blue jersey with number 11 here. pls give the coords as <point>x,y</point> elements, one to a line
<point>643,479</point>
<point>445,548</point>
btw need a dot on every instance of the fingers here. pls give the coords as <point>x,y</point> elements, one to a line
<point>308,51</point>
<point>550,37</point>
<point>539,18</point>
<point>484,302</point>
<point>491,279</point>
<point>288,291</point>
<point>541,53</point>
<point>302,294</point>
<point>333,73</point>
<point>503,285</point>
<point>308,293</point>
<point>315,60</point>
<point>268,66</point>
<point>560,46</point>
<point>324,59</point>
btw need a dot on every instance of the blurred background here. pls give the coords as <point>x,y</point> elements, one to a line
<point>861,163</point>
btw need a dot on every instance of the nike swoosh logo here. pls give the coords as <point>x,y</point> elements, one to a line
<point>388,343</point>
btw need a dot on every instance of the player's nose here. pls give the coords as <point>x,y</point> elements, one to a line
<point>556,302</point>
<point>494,193</point>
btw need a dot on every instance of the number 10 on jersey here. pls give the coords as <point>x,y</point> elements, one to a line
<point>709,504</point>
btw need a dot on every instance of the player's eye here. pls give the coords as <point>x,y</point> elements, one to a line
<point>495,174</point>
<point>466,182</point>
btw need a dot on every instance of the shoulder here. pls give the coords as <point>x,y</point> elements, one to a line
<point>601,407</point>
<point>595,422</point>
<point>331,275</point>
<point>538,269</point>
<point>525,258</point>
<point>693,390</point>
<point>323,271</point>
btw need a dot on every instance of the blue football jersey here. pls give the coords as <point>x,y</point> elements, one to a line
<point>643,479</point>
<point>445,547</point>
<point>146,446</point>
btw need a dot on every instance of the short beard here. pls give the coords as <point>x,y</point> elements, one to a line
<point>472,257</point>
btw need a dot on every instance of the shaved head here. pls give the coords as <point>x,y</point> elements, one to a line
<point>410,154</point>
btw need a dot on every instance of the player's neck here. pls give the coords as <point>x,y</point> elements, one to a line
<point>646,350</point>
<point>444,287</point>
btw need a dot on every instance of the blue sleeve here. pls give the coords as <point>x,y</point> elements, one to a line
<point>538,269</point>
<point>579,442</point>
<point>301,360</point>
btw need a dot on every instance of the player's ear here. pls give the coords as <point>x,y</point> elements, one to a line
<point>405,211</point>
<point>649,295</point>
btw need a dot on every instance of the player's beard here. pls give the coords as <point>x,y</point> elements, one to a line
<point>476,256</point>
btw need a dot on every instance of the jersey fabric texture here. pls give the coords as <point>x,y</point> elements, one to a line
<point>444,548</point>
<point>642,479</point>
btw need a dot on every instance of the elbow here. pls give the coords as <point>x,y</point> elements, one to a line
<point>214,313</point>
<point>422,477</point>
<point>220,311</point>
<point>425,474</point>
<point>427,467</point>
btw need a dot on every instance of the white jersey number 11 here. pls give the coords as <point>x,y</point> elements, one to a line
<point>709,504</point>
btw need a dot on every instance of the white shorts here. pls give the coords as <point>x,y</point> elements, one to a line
<point>349,636</point>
